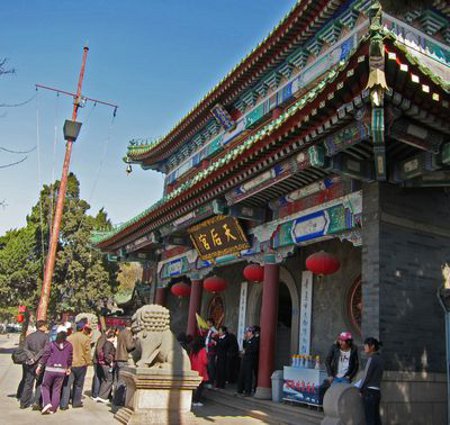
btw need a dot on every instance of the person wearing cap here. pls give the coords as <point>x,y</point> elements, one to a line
<point>68,326</point>
<point>73,385</point>
<point>342,362</point>
<point>251,352</point>
<point>57,360</point>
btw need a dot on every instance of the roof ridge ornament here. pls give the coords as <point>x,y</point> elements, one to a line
<point>377,87</point>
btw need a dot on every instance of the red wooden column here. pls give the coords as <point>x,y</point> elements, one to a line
<point>195,303</point>
<point>268,323</point>
<point>160,296</point>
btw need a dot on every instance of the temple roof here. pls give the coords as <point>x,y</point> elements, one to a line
<point>150,219</point>
<point>297,25</point>
<point>302,20</point>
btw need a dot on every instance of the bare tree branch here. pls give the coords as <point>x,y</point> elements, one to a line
<point>4,68</point>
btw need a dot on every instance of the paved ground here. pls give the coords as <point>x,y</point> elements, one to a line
<point>92,413</point>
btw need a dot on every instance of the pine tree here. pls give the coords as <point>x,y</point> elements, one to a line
<point>83,277</point>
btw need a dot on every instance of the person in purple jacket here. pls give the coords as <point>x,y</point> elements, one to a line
<point>57,360</point>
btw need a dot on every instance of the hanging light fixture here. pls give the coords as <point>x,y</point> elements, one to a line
<point>254,273</point>
<point>322,263</point>
<point>215,284</point>
<point>181,290</point>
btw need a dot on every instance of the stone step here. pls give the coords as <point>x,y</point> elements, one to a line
<point>267,410</point>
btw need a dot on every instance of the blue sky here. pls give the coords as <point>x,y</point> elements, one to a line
<point>155,59</point>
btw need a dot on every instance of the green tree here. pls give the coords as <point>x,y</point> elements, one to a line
<point>83,277</point>
<point>19,266</point>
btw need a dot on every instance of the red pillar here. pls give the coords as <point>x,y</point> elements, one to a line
<point>195,303</point>
<point>160,296</point>
<point>268,323</point>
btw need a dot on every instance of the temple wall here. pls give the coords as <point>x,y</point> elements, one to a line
<point>330,294</point>
<point>406,239</point>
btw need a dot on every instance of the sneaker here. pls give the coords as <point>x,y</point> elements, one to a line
<point>36,407</point>
<point>94,398</point>
<point>64,408</point>
<point>46,410</point>
<point>102,400</point>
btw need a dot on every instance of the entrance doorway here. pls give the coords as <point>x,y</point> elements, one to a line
<point>284,326</point>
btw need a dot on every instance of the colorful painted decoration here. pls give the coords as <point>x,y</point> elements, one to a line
<point>181,290</point>
<point>215,284</point>
<point>254,273</point>
<point>322,263</point>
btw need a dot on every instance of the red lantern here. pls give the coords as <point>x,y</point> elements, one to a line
<point>20,318</point>
<point>322,263</point>
<point>215,284</point>
<point>181,289</point>
<point>22,308</point>
<point>254,273</point>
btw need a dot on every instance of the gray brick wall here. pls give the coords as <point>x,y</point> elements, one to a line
<point>405,242</point>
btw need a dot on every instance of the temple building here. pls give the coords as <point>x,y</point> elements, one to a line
<point>332,137</point>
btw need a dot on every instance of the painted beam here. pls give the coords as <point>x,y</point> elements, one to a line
<point>417,135</point>
<point>436,179</point>
<point>243,212</point>
<point>345,165</point>
<point>418,165</point>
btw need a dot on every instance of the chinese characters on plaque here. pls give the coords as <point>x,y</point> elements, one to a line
<point>306,312</point>
<point>218,236</point>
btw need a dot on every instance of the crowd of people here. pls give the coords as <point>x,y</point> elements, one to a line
<point>216,357</point>
<point>56,363</point>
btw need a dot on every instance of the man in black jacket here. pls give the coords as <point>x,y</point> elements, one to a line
<point>249,360</point>
<point>35,343</point>
<point>342,362</point>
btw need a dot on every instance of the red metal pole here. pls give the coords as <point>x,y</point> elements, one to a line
<point>51,256</point>
<point>195,303</point>
<point>268,323</point>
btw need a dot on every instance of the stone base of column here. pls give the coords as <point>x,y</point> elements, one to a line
<point>263,393</point>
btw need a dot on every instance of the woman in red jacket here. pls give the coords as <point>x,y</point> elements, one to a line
<point>199,363</point>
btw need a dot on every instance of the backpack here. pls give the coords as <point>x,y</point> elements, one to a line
<point>22,356</point>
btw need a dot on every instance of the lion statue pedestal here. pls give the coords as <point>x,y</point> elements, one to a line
<point>158,396</point>
<point>159,389</point>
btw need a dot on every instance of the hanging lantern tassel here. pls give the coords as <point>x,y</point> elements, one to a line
<point>215,284</point>
<point>322,263</point>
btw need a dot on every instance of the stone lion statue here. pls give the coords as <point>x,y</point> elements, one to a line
<point>156,346</point>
